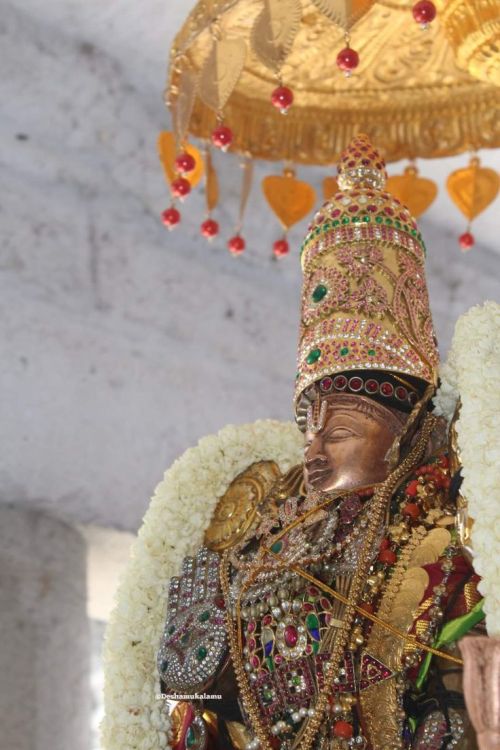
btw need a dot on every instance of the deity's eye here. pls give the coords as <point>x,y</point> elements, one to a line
<point>340,433</point>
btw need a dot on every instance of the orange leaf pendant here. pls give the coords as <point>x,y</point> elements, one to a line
<point>473,189</point>
<point>414,192</point>
<point>289,198</point>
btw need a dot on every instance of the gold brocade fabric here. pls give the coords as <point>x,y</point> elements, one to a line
<point>408,93</point>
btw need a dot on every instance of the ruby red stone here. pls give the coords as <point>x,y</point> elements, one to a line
<point>411,510</point>
<point>352,209</point>
<point>291,636</point>
<point>180,187</point>
<point>371,386</point>
<point>281,248</point>
<point>185,162</point>
<point>343,730</point>
<point>171,217</point>
<point>313,591</point>
<point>355,384</point>
<point>401,393</point>
<point>251,644</point>
<point>266,620</point>
<point>351,163</point>
<point>387,556</point>
<point>324,602</point>
<point>384,544</point>
<point>236,245</point>
<point>365,162</point>
<point>326,384</point>
<point>411,488</point>
<point>209,228</point>
<point>307,607</point>
<point>222,137</point>
<point>336,212</point>
<point>389,211</point>
<point>219,602</point>
<point>340,382</point>
<point>255,661</point>
<point>371,208</point>
<point>387,389</point>
<point>278,659</point>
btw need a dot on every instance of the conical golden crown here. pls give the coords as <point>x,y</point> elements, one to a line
<point>365,304</point>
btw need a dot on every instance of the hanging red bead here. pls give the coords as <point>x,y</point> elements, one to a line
<point>222,137</point>
<point>209,229</point>
<point>171,217</point>
<point>347,60</point>
<point>343,730</point>
<point>180,187</point>
<point>282,99</point>
<point>424,12</point>
<point>387,556</point>
<point>236,245</point>
<point>185,163</point>
<point>281,248</point>
<point>466,241</point>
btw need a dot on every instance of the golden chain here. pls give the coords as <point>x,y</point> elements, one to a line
<point>379,504</point>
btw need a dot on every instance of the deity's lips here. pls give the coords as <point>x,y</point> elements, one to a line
<point>317,476</point>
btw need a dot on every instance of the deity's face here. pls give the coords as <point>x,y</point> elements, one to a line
<point>350,450</point>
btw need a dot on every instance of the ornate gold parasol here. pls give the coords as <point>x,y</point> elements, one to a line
<point>233,59</point>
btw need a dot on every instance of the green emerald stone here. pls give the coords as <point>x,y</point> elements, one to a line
<point>413,232</point>
<point>367,219</point>
<point>171,630</point>
<point>277,547</point>
<point>345,220</point>
<point>355,219</point>
<point>296,680</point>
<point>336,223</point>
<point>371,352</point>
<point>204,616</point>
<point>313,356</point>
<point>388,221</point>
<point>267,694</point>
<point>201,653</point>
<point>397,224</point>
<point>405,227</point>
<point>319,293</point>
<point>344,351</point>
<point>379,219</point>
<point>190,737</point>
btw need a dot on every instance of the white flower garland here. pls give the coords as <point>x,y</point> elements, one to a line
<point>173,527</point>
<point>472,372</point>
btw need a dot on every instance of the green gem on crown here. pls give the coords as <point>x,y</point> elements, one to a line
<point>319,293</point>
<point>313,356</point>
<point>371,352</point>
<point>204,616</point>
<point>277,547</point>
<point>344,351</point>
<point>201,653</point>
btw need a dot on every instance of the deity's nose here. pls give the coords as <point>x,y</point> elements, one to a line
<point>314,455</point>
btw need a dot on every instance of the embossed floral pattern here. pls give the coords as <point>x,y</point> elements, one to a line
<point>326,291</point>
<point>370,298</point>
<point>359,260</point>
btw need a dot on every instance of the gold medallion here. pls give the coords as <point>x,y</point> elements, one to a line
<point>236,511</point>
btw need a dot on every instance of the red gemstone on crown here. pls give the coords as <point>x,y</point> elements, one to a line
<point>371,208</point>
<point>355,384</point>
<point>401,393</point>
<point>353,209</point>
<point>340,382</point>
<point>251,644</point>
<point>251,626</point>
<point>371,386</point>
<point>267,620</point>
<point>255,661</point>
<point>291,636</point>
<point>387,389</point>
<point>326,384</point>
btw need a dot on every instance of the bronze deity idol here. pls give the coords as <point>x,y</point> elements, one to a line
<point>327,616</point>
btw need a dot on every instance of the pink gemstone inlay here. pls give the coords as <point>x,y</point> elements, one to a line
<point>309,649</point>
<point>291,636</point>
<point>278,659</point>
<point>307,607</point>
<point>255,661</point>
<point>353,209</point>
<point>267,620</point>
<point>336,212</point>
<point>251,644</point>
<point>251,627</point>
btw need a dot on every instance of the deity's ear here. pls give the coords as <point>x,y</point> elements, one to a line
<point>405,440</point>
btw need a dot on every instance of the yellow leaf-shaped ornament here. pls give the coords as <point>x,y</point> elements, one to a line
<point>330,187</point>
<point>167,154</point>
<point>289,198</point>
<point>274,30</point>
<point>221,72</point>
<point>212,186</point>
<point>414,192</point>
<point>473,189</point>
<point>344,12</point>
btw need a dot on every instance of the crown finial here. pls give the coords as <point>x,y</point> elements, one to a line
<point>361,165</point>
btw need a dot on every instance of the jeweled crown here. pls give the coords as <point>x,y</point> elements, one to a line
<point>365,305</point>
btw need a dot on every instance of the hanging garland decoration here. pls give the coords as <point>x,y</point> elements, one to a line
<point>472,190</point>
<point>209,227</point>
<point>291,200</point>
